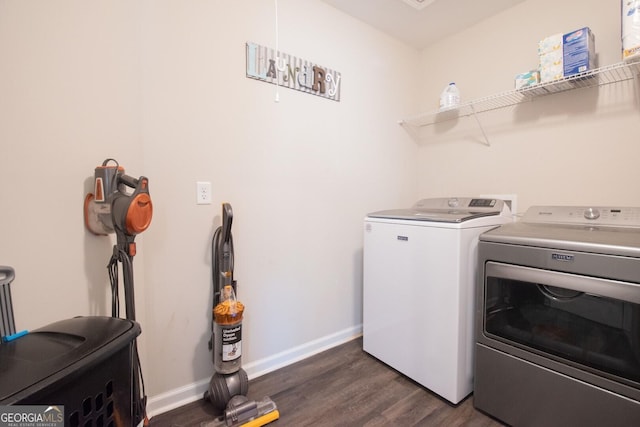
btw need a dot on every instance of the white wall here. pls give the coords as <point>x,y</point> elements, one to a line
<point>571,148</point>
<point>300,174</point>
<point>70,98</point>
<point>160,86</point>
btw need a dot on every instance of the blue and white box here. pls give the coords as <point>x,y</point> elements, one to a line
<point>578,52</point>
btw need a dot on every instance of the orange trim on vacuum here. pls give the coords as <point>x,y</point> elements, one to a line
<point>139,214</point>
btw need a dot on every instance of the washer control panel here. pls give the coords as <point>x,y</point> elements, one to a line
<point>589,215</point>
<point>458,203</point>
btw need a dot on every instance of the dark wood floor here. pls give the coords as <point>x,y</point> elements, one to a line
<point>343,386</point>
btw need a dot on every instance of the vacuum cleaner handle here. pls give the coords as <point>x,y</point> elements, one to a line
<point>227,219</point>
<point>7,274</point>
<point>225,249</point>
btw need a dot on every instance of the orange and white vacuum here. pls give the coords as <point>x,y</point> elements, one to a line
<point>121,204</point>
<point>229,384</point>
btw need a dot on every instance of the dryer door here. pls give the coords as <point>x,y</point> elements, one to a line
<point>592,323</point>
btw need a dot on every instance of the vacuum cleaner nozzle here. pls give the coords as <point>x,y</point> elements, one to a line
<point>247,413</point>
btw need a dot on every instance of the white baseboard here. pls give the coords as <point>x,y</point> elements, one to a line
<point>191,392</point>
<point>177,397</point>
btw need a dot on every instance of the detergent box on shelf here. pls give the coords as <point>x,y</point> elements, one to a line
<point>578,52</point>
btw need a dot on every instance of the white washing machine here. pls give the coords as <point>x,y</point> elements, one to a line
<point>419,288</point>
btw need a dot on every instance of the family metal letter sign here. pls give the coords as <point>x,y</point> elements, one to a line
<point>286,70</point>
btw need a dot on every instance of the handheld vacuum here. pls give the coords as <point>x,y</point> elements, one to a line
<point>121,204</point>
<point>229,384</point>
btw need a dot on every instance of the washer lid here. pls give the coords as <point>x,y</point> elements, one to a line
<point>452,209</point>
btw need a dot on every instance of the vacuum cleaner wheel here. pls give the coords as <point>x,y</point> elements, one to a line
<point>223,387</point>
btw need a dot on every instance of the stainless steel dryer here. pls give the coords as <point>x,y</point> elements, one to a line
<point>558,318</point>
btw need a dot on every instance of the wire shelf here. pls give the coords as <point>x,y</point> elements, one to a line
<point>598,77</point>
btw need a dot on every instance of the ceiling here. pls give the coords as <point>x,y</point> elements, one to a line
<point>420,23</point>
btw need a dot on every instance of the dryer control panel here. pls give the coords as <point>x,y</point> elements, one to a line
<point>586,215</point>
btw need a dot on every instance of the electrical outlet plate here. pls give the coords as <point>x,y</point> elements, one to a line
<point>203,193</point>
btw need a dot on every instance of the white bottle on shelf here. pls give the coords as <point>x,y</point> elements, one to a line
<point>450,97</point>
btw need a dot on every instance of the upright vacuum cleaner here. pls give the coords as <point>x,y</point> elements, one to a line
<point>229,384</point>
<point>121,204</point>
